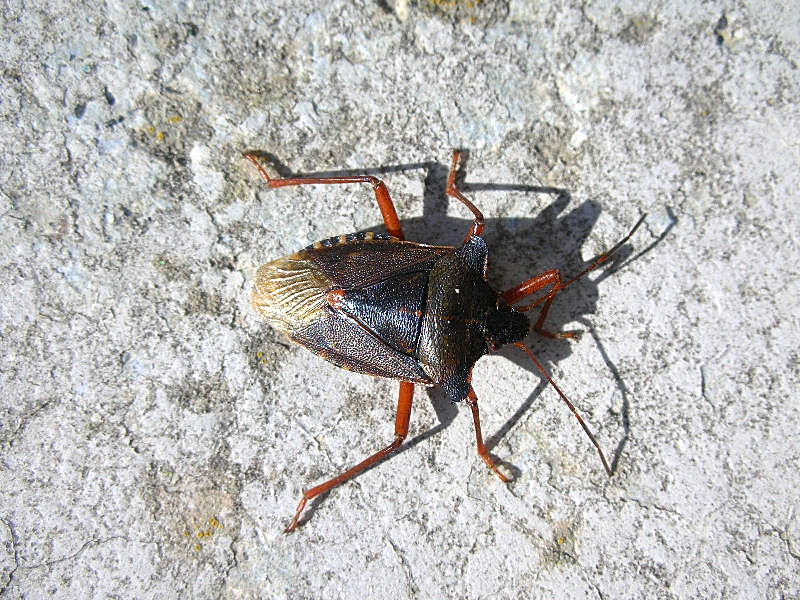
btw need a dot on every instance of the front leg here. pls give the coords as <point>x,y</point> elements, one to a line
<point>548,278</point>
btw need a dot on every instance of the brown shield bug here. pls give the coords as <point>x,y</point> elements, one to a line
<point>422,314</point>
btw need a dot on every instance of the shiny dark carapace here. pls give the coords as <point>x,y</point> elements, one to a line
<point>374,304</point>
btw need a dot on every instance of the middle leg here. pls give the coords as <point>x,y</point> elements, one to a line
<point>472,401</point>
<point>452,190</point>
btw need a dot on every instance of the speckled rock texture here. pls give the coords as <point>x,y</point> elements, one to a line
<point>156,435</point>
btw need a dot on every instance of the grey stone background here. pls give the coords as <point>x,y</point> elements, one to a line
<point>156,435</point>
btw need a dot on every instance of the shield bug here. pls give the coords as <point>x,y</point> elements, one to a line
<point>422,314</point>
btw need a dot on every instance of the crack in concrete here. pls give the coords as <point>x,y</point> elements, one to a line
<point>234,562</point>
<point>15,550</point>
<point>25,420</point>
<point>85,546</point>
<point>653,505</point>
<point>704,389</point>
<point>406,568</point>
<point>595,587</point>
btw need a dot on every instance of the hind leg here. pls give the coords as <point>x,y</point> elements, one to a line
<point>385,203</point>
<point>400,432</point>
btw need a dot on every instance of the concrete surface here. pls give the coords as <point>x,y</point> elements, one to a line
<point>156,435</point>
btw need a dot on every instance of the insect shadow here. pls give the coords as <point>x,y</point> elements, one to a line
<point>519,248</point>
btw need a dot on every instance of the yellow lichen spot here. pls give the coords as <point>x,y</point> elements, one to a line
<point>151,130</point>
<point>259,355</point>
<point>198,547</point>
<point>176,119</point>
<point>187,533</point>
<point>161,136</point>
<point>215,523</point>
<point>562,540</point>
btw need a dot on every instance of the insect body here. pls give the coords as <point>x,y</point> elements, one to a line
<point>421,314</point>
<point>374,304</point>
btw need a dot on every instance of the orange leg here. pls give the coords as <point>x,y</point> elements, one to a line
<point>472,401</point>
<point>385,203</point>
<point>553,277</point>
<point>452,190</point>
<point>400,433</point>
